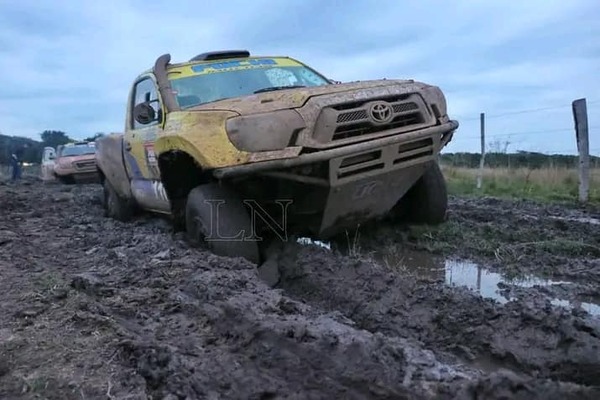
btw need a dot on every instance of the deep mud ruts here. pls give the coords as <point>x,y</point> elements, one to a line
<point>92,308</point>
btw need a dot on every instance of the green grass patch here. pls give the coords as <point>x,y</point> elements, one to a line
<point>544,184</point>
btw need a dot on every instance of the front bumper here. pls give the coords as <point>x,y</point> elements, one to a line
<point>442,133</point>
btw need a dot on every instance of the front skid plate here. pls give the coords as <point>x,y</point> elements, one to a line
<point>367,198</point>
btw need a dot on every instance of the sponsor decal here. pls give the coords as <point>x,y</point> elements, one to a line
<point>158,190</point>
<point>150,154</point>
<point>233,65</point>
<point>367,189</point>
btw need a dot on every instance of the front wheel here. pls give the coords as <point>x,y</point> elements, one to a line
<point>66,179</point>
<point>427,201</point>
<point>116,206</point>
<point>216,216</point>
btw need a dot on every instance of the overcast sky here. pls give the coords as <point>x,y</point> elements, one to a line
<point>67,65</point>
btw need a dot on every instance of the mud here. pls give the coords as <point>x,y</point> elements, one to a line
<point>96,309</point>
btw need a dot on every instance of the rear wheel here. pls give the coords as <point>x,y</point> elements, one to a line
<point>216,216</point>
<point>116,206</point>
<point>427,201</point>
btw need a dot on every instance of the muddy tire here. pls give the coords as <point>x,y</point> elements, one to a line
<point>116,206</point>
<point>231,218</point>
<point>427,201</point>
<point>66,180</point>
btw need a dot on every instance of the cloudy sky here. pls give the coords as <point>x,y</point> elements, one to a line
<point>67,65</point>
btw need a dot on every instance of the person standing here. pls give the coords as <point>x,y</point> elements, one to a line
<point>16,161</point>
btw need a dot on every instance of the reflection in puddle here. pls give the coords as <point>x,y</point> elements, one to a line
<point>593,309</point>
<point>584,220</point>
<point>472,276</point>
<point>309,241</point>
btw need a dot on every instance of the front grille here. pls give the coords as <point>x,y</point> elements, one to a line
<point>85,164</point>
<point>352,116</point>
<point>362,114</point>
<point>404,107</point>
<point>352,121</point>
<point>366,127</point>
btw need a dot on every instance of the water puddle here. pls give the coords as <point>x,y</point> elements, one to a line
<point>472,276</point>
<point>592,308</point>
<point>308,241</point>
<point>583,220</point>
<point>465,273</point>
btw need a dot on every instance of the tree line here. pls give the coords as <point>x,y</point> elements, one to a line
<point>33,153</point>
<point>519,159</point>
<point>33,149</point>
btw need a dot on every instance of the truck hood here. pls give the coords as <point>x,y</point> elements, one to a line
<point>295,98</point>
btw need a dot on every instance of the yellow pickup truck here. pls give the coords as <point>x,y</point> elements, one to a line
<point>242,149</point>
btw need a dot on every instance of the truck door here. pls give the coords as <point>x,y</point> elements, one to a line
<point>139,137</point>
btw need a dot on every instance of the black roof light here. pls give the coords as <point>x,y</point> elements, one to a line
<point>220,55</point>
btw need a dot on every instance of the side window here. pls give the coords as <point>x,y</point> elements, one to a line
<point>145,91</point>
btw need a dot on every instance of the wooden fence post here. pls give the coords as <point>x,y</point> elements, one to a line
<point>583,147</point>
<point>482,159</point>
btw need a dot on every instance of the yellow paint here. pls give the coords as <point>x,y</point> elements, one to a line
<point>202,135</point>
<point>138,151</point>
<point>185,71</point>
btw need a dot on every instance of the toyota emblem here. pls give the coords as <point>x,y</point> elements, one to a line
<point>381,112</point>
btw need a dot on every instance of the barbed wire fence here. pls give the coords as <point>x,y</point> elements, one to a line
<point>499,142</point>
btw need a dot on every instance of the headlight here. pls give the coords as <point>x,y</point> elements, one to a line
<point>434,96</point>
<point>264,132</point>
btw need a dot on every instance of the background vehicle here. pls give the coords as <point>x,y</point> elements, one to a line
<point>76,162</point>
<point>278,148</point>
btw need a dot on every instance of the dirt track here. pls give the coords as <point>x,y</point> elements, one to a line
<point>96,309</point>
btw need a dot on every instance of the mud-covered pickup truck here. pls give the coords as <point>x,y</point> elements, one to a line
<point>76,162</point>
<point>240,149</point>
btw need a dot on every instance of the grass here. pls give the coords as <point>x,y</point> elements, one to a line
<point>6,172</point>
<point>545,184</point>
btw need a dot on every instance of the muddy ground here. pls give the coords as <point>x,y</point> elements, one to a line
<point>497,303</point>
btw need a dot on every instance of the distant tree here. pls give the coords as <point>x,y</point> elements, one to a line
<point>32,149</point>
<point>54,138</point>
<point>498,146</point>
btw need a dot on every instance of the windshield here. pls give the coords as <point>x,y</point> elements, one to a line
<point>78,150</point>
<point>203,83</point>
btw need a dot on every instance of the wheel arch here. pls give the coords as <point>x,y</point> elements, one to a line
<point>180,172</point>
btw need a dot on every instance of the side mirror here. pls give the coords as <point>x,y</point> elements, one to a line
<point>144,113</point>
